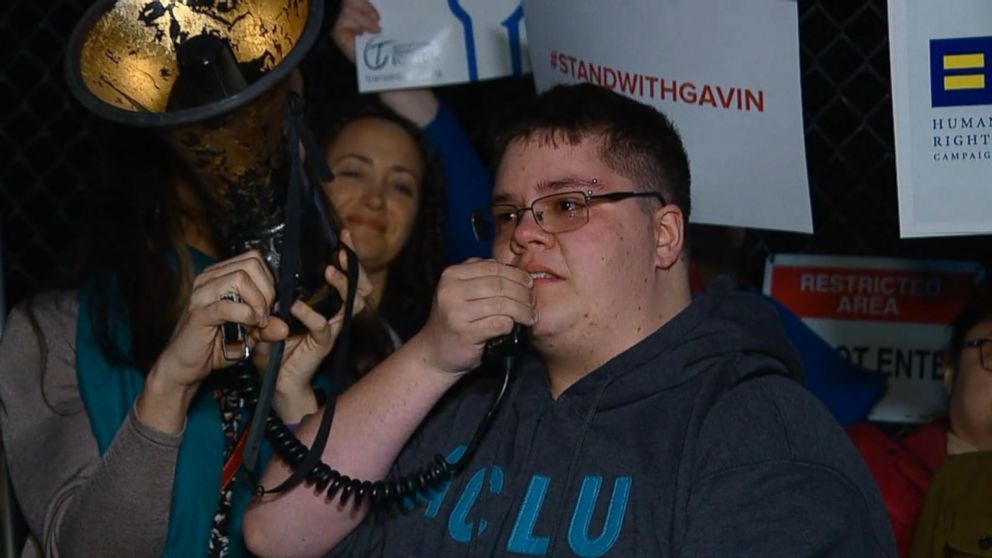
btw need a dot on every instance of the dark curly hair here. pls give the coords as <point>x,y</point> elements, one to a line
<point>413,275</point>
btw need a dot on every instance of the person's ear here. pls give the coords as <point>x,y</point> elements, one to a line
<point>949,371</point>
<point>669,226</point>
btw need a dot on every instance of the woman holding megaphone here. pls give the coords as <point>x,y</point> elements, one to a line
<point>120,429</point>
<point>118,406</point>
<point>121,425</point>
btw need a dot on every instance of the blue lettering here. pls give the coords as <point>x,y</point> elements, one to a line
<point>495,487</point>
<point>496,480</point>
<point>522,539</point>
<point>578,531</point>
<point>459,527</point>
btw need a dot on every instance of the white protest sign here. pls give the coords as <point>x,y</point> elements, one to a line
<point>941,54</point>
<point>727,74</point>
<point>888,315</point>
<point>436,42</point>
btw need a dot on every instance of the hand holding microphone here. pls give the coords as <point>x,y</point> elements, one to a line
<point>475,302</point>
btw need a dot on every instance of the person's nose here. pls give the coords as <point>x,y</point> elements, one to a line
<point>374,196</point>
<point>528,232</point>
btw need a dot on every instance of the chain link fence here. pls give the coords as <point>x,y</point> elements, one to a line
<point>50,143</point>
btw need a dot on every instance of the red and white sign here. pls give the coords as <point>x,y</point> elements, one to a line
<point>727,75</point>
<point>888,315</point>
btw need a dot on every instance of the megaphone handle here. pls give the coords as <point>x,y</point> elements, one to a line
<point>317,164</point>
<point>311,456</point>
<point>234,334</point>
<point>289,264</point>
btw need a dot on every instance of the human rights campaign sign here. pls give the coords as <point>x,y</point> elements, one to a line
<point>941,55</point>
<point>961,71</point>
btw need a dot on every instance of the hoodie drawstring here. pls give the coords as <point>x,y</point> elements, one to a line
<point>573,464</point>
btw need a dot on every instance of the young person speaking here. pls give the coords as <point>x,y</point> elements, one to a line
<point>645,423</point>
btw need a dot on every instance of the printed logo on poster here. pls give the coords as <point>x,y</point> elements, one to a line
<point>941,62</point>
<point>437,42</point>
<point>961,76</point>
<point>377,54</point>
<point>961,71</point>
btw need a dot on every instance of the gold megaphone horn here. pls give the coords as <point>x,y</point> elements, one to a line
<point>124,55</point>
<point>213,73</point>
<point>213,76</point>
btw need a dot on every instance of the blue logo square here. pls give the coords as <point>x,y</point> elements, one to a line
<point>961,71</point>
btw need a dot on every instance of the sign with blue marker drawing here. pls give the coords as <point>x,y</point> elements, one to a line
<point>941,55</point>
<point>437,42</point>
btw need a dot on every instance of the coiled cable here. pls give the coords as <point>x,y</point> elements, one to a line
<point>383,494</point>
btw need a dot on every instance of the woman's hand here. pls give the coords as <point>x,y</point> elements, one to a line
<point>196,346</point>
<point>475,301</point>
<point>419,106</point>
<point>303,354</point>
<point>356,17</point>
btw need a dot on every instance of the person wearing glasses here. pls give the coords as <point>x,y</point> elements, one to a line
<point>908,469</point>
<point>643,422</point>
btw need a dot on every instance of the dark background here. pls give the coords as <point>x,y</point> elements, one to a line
<point>50,143</point>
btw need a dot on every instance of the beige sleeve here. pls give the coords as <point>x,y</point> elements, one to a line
<point>76,502</point>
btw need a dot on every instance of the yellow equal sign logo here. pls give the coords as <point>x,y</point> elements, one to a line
<point>958,81</point>
<point>961,71</point>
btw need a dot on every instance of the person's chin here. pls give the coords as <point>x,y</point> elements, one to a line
<point>548,325</point>
<point>544,339</point>
<point>365,241</point>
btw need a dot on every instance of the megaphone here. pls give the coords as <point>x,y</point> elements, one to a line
<point>213,76</point>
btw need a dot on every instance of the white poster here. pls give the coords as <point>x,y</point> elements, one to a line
<point>888,315</point>
<point>941,54</point>
<point>727,74</point>
<point>436,42</point>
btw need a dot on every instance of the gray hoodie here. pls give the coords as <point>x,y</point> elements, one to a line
<point>698,442</point>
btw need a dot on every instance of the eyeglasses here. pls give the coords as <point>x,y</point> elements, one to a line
<point>984,345</point>
<point>557,213</point>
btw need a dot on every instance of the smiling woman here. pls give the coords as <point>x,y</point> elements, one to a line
<point>378,172</point>
<point>387,191</point>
